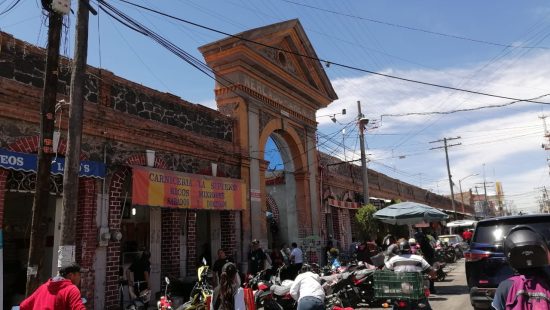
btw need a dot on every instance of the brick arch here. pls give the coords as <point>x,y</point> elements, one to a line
<point>86,231</point>
<point>112,295</point>
<point>298,154</point>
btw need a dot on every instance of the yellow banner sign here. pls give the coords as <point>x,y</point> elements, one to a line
<point>172,189</point>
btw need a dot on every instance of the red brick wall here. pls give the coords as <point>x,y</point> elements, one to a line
<point>191,242</point>
<point>112,295</point>
<point>86,236</point>
<point>229,239</point>
<point>170,243</point>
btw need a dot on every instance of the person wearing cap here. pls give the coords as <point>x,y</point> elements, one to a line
<point>256,257</point>
<point>59,292</point>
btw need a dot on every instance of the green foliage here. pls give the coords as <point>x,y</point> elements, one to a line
<point>369,226</point>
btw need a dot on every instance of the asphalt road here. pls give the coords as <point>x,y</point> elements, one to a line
<point>452,294</point>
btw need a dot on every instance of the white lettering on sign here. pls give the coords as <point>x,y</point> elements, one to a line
<point>12,160</point>
<point>255,195</point>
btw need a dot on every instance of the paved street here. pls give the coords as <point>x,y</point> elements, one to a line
<point>452,294</point>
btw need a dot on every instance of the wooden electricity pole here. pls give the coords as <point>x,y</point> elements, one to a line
<point>451,185</point>
<point>45,152</point>
<point>67,243</point>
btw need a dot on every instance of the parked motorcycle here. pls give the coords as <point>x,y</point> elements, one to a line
<point>165,302</point>
<point>281,290</point>
<point>201,294</point>
<point>263,297</point>
<point>350,289</point>
<point>440,273</point>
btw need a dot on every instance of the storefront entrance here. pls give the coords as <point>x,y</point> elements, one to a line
<point>17,230</point>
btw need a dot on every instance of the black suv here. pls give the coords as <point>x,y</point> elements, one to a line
<point>486,265</point>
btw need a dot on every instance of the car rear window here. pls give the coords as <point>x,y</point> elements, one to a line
<point>448,239</point>
<point>494,232</point>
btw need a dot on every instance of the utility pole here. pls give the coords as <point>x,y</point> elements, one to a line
<point>67,243</point>
<point>45,152</point>
<point>362,122</point>
<point>485,188</point>
<point>445,146</point>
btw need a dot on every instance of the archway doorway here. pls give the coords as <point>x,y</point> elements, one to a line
<point>280,184</point>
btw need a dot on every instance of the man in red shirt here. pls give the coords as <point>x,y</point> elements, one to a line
<point>467,235</point>
<point>60,292</point>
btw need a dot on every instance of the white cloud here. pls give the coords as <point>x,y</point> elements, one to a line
<point>507,140</point>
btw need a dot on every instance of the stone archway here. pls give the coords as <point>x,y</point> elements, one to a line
<point>272,92</point>
<point>294,203</point>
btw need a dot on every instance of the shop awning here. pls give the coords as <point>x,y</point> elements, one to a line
<point>344,204</point>
<point>29,163</point>
<point>173,189</point>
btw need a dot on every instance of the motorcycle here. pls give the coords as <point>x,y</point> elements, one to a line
<point>350,289</point>
<point>440,273</point>
<point>201,294</point>
<point>263,297</point>
<point>165,302</point>
<point>281,290</point>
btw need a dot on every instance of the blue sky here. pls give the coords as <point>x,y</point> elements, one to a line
<point>377,36</point>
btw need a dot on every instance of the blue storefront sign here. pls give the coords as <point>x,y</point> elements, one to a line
<point>29,163</point>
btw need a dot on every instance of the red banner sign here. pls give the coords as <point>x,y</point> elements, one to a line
<point>171,189</point>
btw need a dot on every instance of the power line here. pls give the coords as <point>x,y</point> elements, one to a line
<point>326,61</point>
<point>462,110</point>
<point>417,29</point>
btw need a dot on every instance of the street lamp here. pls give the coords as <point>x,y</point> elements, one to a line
<point>460,187</point>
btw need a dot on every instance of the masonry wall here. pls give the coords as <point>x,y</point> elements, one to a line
<point>121,120</point>
<point>341,178</point>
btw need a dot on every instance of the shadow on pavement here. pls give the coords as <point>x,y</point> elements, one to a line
<point>452,290</point>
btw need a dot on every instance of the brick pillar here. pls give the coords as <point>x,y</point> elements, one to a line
<point>191,242</point>
<point>112,295</point>
<point>336,223</point>
<point>86,235</point>
<point>170,243</point>
<point>229,239</point>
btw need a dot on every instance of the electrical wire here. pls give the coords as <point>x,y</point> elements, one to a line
<point>461,110</point>
<point>10,7</point>
<point>328,62</point>
<point>417,29</point>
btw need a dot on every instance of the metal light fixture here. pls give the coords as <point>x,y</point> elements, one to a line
<point>150,155</point>
<point>214,169</point>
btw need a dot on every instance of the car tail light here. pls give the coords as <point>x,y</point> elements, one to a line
<point>401,304</point>
<point>474,257</point>
<point>483,281</point>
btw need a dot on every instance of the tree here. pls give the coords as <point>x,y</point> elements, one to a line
<point>369,226</point>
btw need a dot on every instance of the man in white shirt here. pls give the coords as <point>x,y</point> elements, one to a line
<point>407,262</point>
<point>296,259</point>
<point>307,290</point>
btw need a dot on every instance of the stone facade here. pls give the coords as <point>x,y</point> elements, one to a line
<point>121,120</point>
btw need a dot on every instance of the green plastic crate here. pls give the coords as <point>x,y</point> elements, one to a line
<point>398,285</point>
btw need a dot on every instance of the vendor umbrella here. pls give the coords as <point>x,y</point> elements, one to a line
<point>409,212</point>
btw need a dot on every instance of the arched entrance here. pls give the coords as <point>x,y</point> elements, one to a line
<point>274,94</point>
